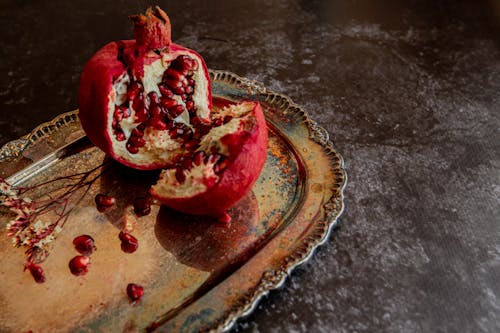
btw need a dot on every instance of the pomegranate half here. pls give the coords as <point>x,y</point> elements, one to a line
<point>139,98</point>
<point>227,162</point>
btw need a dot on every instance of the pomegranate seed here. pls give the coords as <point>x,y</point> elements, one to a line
<point>191,144</point>
<point>188,134</point>
<point>114,124</point>
<point>141,113</point>
<point>221,165</point>
<point>168,103</point>
<point>153,98</point>
<point>79,265</point>
<point>194,65</point>
<point>137,132</point>
<point>155,111</point>
<point>120,136</point>
<point>132,149</point>
<point>133,90</point>
<point>84,244</point>
<point>129,243</point>
<point>187,163</point>
<point>217,122</point>
<point>170,124</point>
<point>174,74</point>
<point>182,63</point>
<point>191,82</point>
<point>175,132</point>
<point>125,111</point>
<point>227,119</point>
<point>137,141</point>
<point>198,157</point>
<point>185,62</point>
<point>189,90</point>
<point>189,105</point>
<point>36,272</point>
<point>179,175</point>
<point>142,206</point>
<point>135,292</point>
<point>118,114</point>
<point>173,84</point>
<point>165,91</point>
<point>158,124</point>
<point>104,202</point>
<point>178,158</point>
<point>176,110</point>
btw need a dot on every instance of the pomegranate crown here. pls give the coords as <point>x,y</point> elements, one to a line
<point>152,30</point>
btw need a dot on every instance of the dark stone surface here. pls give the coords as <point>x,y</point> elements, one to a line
<point>408,90</point>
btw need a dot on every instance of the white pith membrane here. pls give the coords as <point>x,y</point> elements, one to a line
<point>159,145</point>
<point>199,178</point>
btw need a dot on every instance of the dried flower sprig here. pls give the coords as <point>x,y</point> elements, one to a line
<point>32,227</point>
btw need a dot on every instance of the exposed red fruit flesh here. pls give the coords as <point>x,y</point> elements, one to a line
<point>150,84</point>
<point>84,244</point>
<point>142,206</point>
<point>36,271</point>
<point>79,265</point>
<point>134,292</point>
<point>129,243</point>
<point>222,167</point>
<point>104,202</point>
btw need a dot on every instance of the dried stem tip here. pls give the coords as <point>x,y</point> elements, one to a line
<point>152,30</point>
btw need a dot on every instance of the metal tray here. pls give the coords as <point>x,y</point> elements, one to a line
<point>198,274</point>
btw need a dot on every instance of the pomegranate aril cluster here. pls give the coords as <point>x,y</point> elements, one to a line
<point>159,111</point>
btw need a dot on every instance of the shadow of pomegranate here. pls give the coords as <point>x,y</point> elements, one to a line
<point>208,245</point>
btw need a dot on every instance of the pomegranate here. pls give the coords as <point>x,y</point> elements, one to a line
<point>138,98</point>
<point>222,169</point>
<point>84,244</point>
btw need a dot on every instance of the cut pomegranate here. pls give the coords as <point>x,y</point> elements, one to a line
<point>36,271</point>
<point>134,93</point>
<point>134,292</point>
<point>142,206</point>
<point>104,202</point>
<point>221,170</point>
<point>79,265</point>
<point>129,243</point>
<point>84,244</point>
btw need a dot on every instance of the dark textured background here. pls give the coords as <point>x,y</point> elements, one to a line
<point>408,90</point>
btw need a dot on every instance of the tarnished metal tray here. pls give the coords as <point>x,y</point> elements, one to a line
<point>198,274</point>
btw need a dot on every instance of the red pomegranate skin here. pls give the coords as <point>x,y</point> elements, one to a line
<point>246,160</point>
<point>96,83</point>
